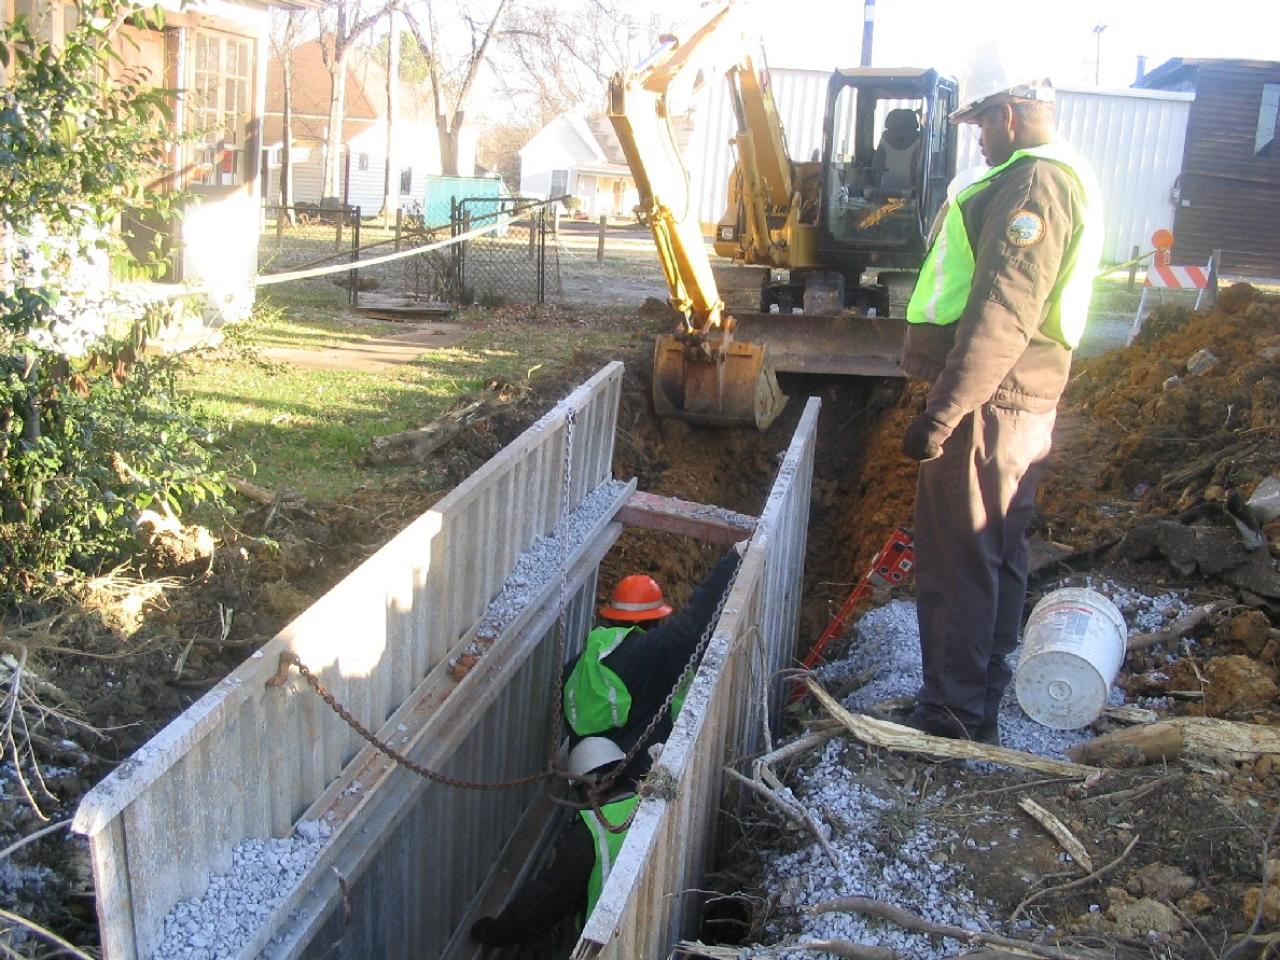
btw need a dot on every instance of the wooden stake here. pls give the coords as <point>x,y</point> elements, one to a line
<point>1058,830</point>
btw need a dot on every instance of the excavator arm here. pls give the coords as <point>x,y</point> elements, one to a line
<point>700,372</point>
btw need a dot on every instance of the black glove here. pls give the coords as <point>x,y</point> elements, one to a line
<point>924,438</point>
<point>491,932</point>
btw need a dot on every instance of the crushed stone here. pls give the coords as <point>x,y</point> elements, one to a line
<point>236,904</point>
<point>538,565</point>
<point>879,860</point>
<point>891,849</point>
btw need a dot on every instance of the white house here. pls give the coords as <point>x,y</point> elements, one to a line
<point>579,157</point>
<point>416,153</point>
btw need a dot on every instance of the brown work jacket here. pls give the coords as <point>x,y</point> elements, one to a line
<point>996,352</point>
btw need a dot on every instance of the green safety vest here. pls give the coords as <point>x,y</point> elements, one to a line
<point>606,844</point>
<point>942,289</point>
<point>595,698</point>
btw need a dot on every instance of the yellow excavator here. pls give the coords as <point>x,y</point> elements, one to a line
<point>822,254</point>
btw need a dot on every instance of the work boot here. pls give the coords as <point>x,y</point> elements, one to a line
<point>938,725</point>
<point>989,733</point>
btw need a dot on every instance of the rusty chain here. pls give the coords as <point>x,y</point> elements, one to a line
<point>289,658</point>
<point>553,750</point>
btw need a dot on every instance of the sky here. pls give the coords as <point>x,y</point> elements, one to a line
<point>826,34</point>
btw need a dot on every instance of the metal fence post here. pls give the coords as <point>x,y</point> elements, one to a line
<point>355,256</point>
<point>399,228</point>
<point>1133,267</point>
<point>541,229</point>
<point>600,244</point>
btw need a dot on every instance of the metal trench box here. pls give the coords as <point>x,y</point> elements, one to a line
<point>409,863</point>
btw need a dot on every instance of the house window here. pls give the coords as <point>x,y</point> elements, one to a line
<point>219,106</point>
<point>406,180</point>
<point>363,161</point>
<point>559,183</point>
<point>1265,137</point>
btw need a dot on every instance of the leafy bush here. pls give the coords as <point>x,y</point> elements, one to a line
<point>90,432</point>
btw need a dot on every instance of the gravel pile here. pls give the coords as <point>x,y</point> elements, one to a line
<point>888,852</point>
<point>887,641</point>
<point>541,563</point>
<point>237,903</point>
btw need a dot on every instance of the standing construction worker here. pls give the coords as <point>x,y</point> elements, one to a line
<point>1000,304</point>
<point>636,657</point>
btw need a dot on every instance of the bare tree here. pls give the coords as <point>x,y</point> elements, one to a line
<point>390,191</point>
<point>342,23</point>
<point>564,58</point>
<point>460,79</point>
<point>286,31</point>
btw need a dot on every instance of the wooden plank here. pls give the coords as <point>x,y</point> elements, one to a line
<point>434,724</point>
<point>685,518</point>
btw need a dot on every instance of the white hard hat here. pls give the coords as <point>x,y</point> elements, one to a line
<point>591,753</point>
<point>999,71</point>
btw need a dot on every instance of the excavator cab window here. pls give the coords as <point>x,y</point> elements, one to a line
<point>874,181</point>
<point>887,147</point>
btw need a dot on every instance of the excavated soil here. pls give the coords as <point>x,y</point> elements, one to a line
<point>1132,445</point>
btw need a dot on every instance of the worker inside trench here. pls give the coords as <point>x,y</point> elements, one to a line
<point>733,469</point>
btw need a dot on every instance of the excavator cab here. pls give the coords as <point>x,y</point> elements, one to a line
<point>887,156</point>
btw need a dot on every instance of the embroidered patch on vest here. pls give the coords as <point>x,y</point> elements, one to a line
<point>1026,228</point>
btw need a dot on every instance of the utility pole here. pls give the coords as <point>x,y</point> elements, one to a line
<point>1097,56</point>
<point>868,28</point>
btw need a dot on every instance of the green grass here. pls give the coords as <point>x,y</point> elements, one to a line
<point>308,430</point>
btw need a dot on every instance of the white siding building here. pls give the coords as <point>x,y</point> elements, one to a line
<point>579,157</point>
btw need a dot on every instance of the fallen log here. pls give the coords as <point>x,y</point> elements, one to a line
<point>261,495</point>
<point>1206,738</point>
<point>867,907</point>
<point>414,446</point>
<point>894,736</point>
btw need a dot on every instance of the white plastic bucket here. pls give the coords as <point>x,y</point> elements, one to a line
<point>1071,652</point>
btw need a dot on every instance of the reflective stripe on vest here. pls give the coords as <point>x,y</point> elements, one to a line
<point>595,698</point>
<point>606,844</point>
<point>942,289</point>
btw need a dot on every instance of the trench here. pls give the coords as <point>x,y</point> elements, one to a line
<point>863,489</point>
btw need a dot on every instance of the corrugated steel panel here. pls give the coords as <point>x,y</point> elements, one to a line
<point>1133,137</point>
<point>1231,195</point>
<point>250,759</point>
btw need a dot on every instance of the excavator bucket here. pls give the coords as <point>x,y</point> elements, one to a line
<point>829,345</point>
<point>739,390</point>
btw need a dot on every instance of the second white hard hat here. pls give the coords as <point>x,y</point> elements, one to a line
<point>592,753</point>
<point>1001,70</point>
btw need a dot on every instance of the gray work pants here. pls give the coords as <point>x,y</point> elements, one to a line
<point>973,507</point>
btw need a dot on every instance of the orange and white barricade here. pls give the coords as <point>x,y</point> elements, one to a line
<point>1162,275</point>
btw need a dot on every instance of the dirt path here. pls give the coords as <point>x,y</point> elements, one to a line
<point>376,353</point>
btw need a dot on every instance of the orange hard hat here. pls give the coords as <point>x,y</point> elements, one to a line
<point>636,598</point>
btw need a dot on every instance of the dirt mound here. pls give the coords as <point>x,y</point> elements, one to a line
<point>1188,413</point>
